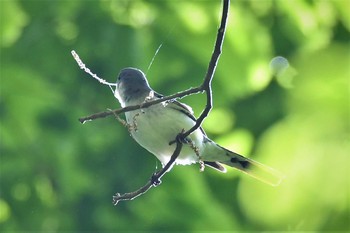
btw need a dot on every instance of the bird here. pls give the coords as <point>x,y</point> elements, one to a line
<point>154,127</point>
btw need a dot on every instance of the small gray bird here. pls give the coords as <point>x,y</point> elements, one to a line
<point>155,126</point>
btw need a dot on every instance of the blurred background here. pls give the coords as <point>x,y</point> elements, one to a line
<point>59,175</point>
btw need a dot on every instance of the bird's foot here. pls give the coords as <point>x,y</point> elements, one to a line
<point>155,180</point>
<point>181,139</point>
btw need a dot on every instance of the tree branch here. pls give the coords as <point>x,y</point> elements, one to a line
<point>155,179</point>
<point>180,138</point>
<point>206,86</point>
<point>143,105</point>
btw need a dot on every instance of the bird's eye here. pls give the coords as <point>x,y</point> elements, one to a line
<point>119,78</point>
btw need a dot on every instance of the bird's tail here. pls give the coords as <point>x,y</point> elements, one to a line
<point>257,170</point>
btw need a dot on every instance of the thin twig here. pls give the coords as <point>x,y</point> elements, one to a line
<point>155,179</point>
<point>143,105</point>
<point>87,70</point>
<point>180,138</point>
<point>206,86</point>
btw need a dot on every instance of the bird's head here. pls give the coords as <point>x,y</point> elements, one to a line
<point>132,87</point>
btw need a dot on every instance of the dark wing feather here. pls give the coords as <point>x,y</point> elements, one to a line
<point>174,104</point>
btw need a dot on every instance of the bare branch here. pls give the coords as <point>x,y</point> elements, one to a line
<point>206,86</point>
<point>143,105</point>
<point>87,70</point>
<point>180,138</point>
<point>155,179</point>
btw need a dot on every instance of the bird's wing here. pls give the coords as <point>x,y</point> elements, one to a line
<point>174,104</point>
<point>185,109</point>
<point>181,107</point>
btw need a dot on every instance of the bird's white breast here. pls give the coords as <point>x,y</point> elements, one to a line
<point>158,125</point>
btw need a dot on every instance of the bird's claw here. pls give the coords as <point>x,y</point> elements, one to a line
<point>181,139</point>
<point>155,180</point>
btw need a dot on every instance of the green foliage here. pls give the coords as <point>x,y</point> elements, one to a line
<point>58,175</point>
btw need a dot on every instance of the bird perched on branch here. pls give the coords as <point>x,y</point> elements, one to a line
<point>156,126</point>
